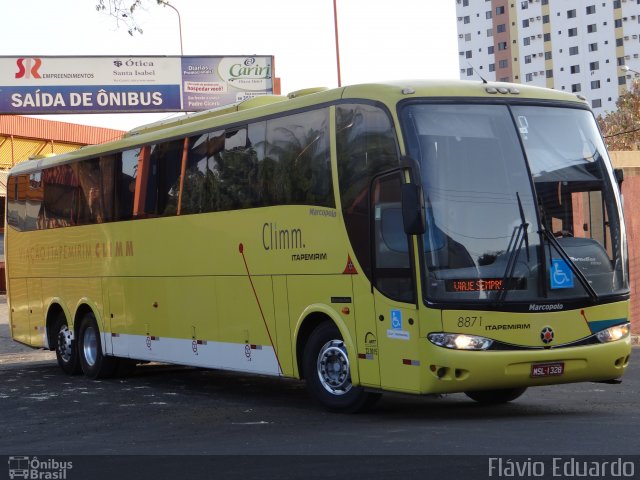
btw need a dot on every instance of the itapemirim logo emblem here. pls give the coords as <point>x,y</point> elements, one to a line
<point>36,469</point>
<point>547,335</point>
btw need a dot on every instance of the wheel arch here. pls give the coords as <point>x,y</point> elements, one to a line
<point>308,321</point>
<point>84,307</point>
<point>55,308</point>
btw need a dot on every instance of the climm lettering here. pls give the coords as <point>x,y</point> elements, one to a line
<point>114,249</point>
<point>274,238</point>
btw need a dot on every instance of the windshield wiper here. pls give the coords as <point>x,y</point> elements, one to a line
<point>518,236</point>
<point>574,268</point>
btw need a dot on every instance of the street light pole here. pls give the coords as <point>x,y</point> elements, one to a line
<point>335,27</point>
<point>625,68</point>
<point>167,4</point>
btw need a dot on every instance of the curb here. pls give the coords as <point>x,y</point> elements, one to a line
<point>635,340</point>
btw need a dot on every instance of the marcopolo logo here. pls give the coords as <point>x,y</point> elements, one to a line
<point>38,469</point>
<point>28,67</point>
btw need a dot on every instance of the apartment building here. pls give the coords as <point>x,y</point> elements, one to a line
<point>588,47</point>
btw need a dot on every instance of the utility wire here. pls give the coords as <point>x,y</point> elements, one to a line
<point>622,133</point>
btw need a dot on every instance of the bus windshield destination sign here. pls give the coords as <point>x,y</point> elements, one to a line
<point>485,284</point>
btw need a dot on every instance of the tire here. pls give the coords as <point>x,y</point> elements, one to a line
<point>495,397</point>
<point>332,386</point>
<point>94,363</point>
<point>65,346</point>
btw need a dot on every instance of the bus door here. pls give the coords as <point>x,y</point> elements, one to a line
<point>394,287</point>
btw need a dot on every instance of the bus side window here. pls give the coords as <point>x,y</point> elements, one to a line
<point>199,189</point>
<point>16,201</point>
<point>236,171</point>
<point>61,193</point>
<point>96,200</point>
<point>126,171</point>
<point>297,152</point>
<point>35,194</point>
<point>163,182</point>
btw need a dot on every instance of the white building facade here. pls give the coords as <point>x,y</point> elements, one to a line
<point>578,46</point>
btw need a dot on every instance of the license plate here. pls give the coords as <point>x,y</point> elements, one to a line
<point>547,369</point>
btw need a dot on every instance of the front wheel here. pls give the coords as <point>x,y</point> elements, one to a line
<point>328,372</point>
<point>94,363</point>
<point>496,396</point>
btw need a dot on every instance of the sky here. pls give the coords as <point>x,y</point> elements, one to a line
<point>403,39</point>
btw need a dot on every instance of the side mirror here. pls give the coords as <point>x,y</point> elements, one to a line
<point>619,173</point>
<point>413,211</point>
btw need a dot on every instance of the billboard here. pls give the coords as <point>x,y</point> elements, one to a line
<point>46,85</point>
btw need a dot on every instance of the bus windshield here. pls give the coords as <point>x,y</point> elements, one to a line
<point>520,201</point>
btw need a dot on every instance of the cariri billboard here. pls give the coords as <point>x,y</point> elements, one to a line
<point>46,85</point>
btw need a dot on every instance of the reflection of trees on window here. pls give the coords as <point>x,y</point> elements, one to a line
<point>237,170</point>
<point>163,183</point>
<point>282,161</point>
<point>200,187</point>
<point>61,192</point>
<point>366,146</point>
<point>96,179</point>
<point>298,158</point>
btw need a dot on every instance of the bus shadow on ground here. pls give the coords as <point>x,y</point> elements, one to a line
<point>291,393</point>
<point>204,388</point>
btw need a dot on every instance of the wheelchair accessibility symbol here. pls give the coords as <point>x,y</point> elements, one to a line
<point>561,274</point>
<point>396,319</point>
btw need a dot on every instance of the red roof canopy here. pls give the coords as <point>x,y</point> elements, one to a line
<point>28,127</point>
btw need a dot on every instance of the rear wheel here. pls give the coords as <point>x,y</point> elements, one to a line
<point>496,396</point>
<point>328,372</point>
<point>94,363</point>
<point>65,346</point>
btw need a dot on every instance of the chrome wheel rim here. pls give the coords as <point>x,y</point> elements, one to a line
<point>64,347</point>
<point>333,368</point>
<point>90,346</point>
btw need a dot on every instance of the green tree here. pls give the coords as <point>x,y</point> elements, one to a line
<point>124,11</point>
<point>621,128</point>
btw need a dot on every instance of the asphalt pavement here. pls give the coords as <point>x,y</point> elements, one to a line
<point>173,410</point>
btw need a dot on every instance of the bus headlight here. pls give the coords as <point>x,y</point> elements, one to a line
<point>614,333</point>
<point>460,341</point>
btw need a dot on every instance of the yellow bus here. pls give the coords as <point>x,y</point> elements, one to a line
<point>418,237</point>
